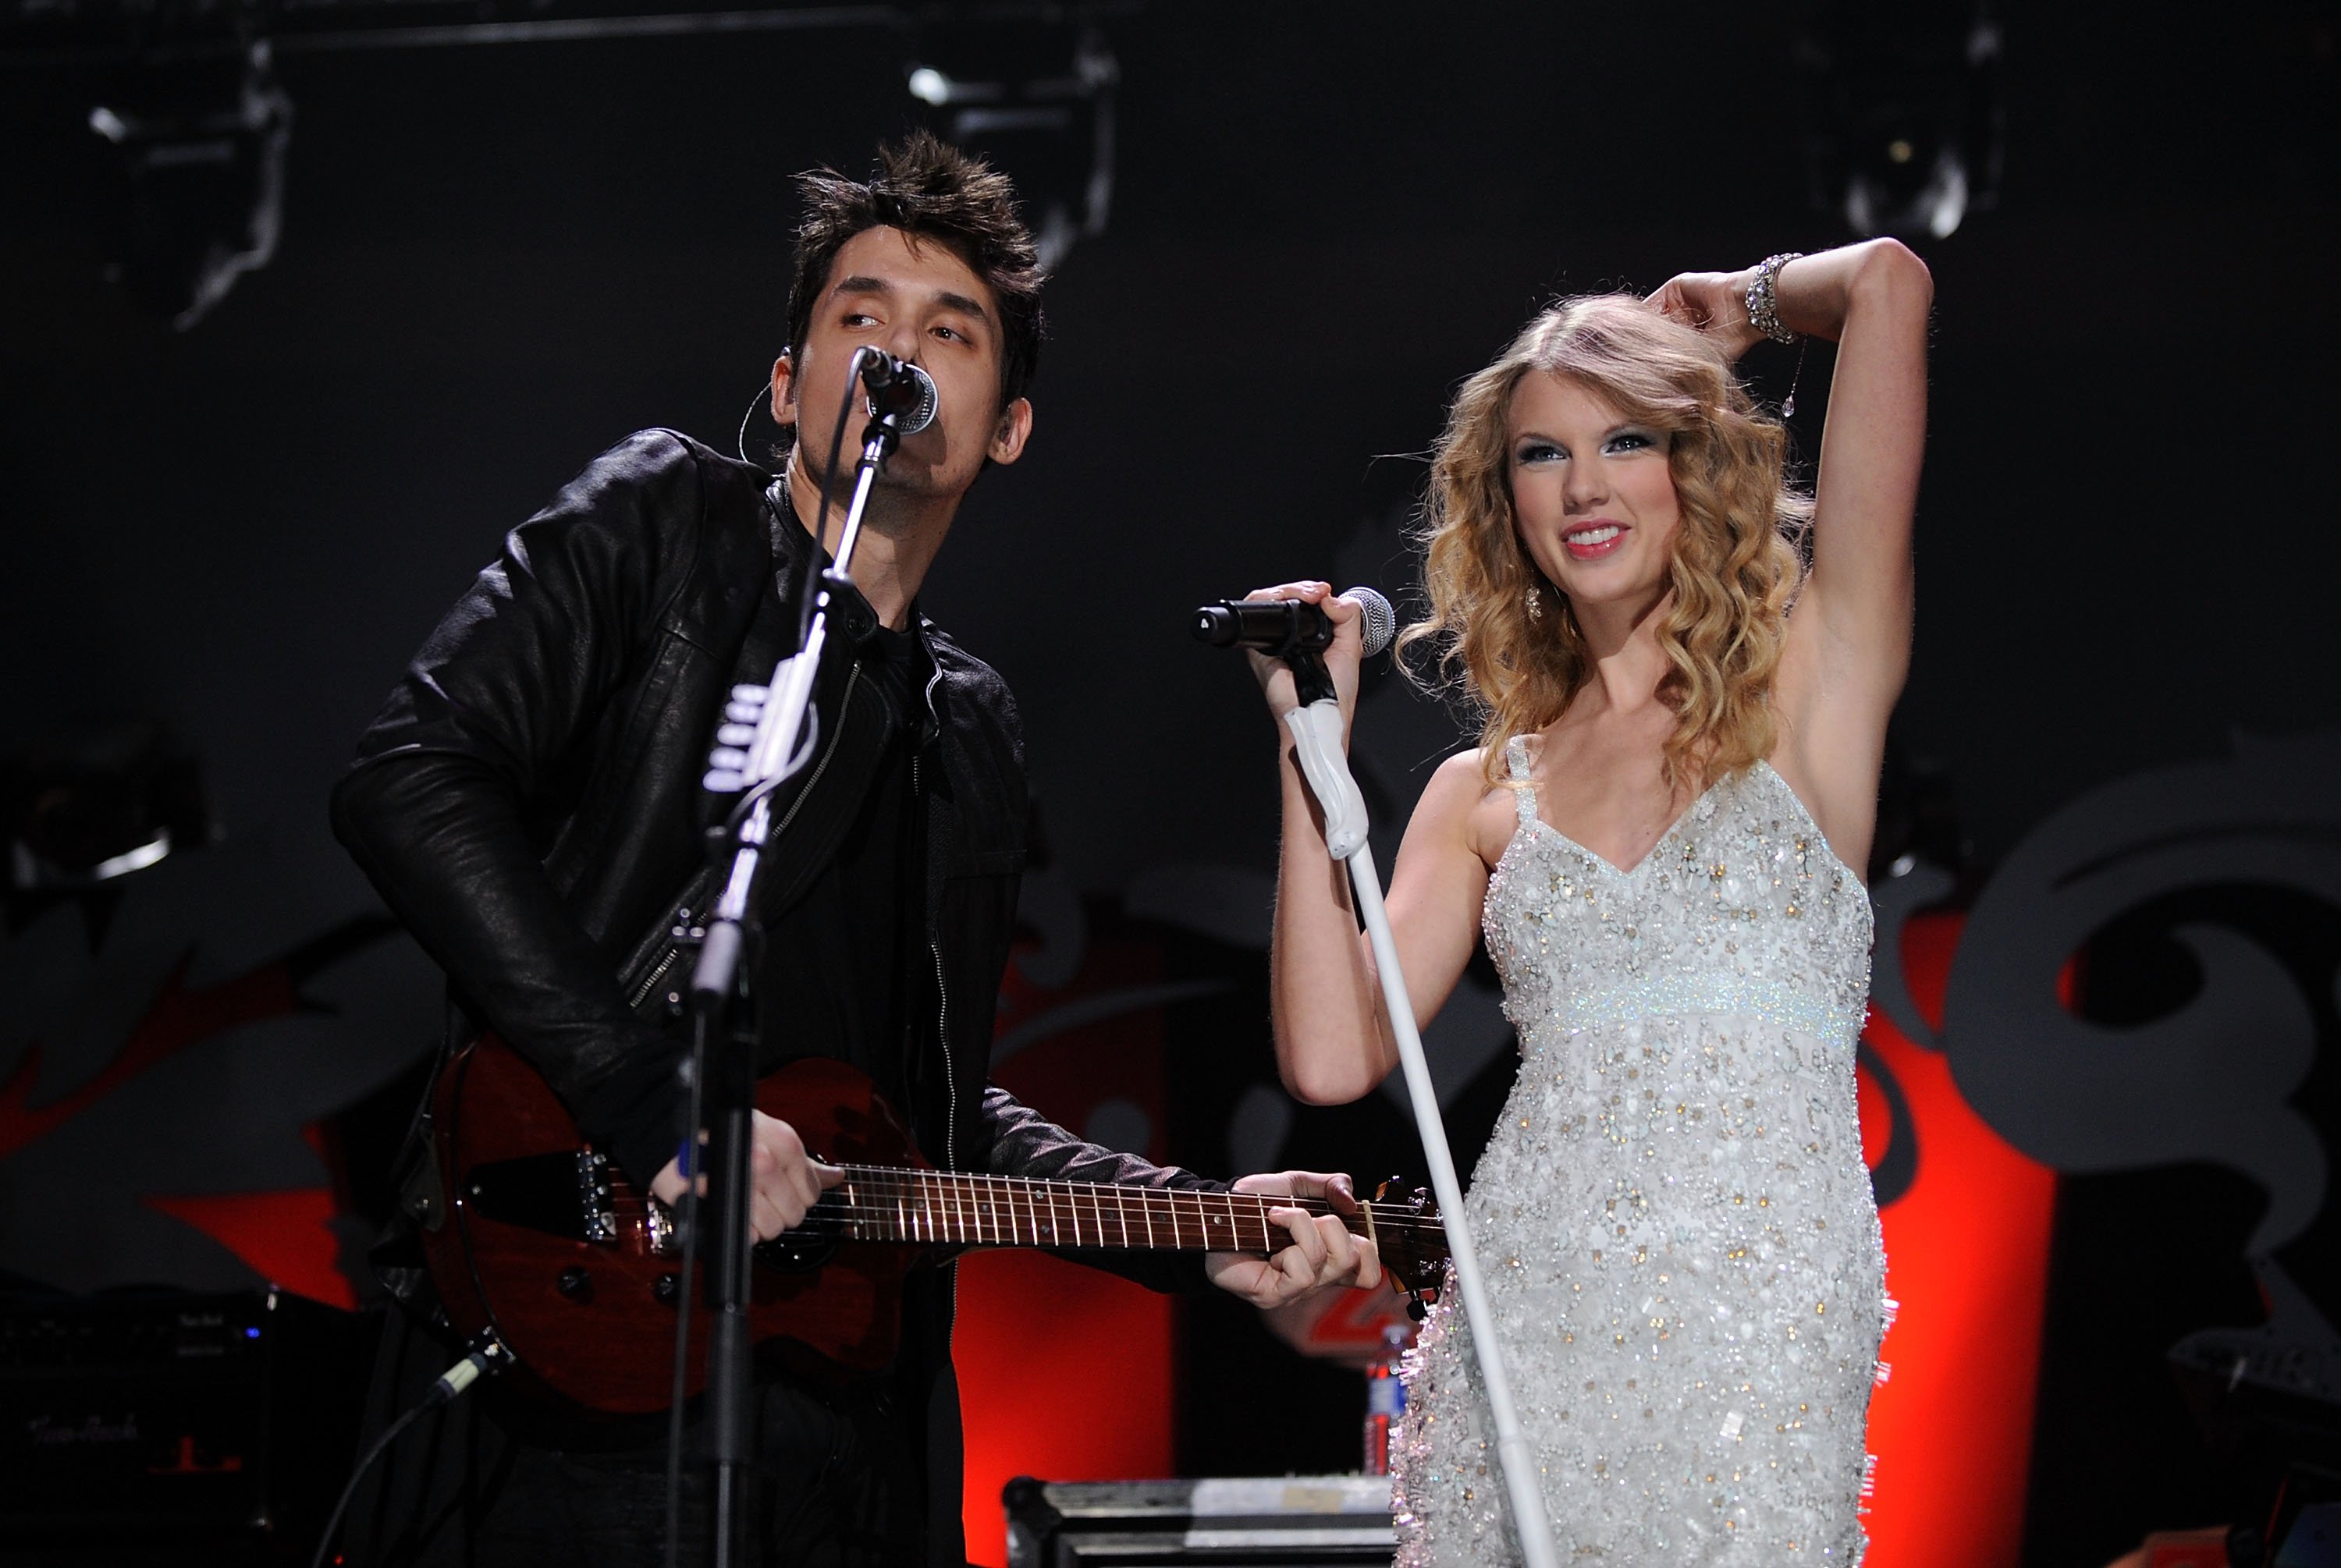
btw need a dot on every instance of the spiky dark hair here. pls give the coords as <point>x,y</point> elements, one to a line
<point>926,187</point>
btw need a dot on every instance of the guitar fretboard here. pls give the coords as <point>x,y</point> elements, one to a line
<point>881,1202</point>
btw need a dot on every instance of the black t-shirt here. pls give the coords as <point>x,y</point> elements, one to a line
<point>841,968</point>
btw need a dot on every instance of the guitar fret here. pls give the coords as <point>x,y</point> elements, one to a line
<point>1266,1243</point>
<point>1146,1210</point>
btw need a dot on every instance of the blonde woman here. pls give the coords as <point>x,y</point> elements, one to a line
<point>1659,836</point>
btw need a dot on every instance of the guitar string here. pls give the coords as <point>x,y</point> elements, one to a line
<point>876,1197</point>
<point>1003,1219</point>
<point>893,1222</point>
<point>966,1203</point>
<point>1107,1204</point>
<point>961,1187</point>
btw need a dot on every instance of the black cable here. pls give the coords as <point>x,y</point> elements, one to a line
<point>452,1382</point>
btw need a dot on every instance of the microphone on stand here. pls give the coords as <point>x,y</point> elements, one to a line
<point>900,388</point>
<point>1298,633</point>
<point>1291,625</point>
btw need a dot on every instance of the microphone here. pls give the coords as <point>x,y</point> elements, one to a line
<point>1291,625</point>
<point>900,388</point>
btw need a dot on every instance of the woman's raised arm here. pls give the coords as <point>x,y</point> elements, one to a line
<point>1849,647</point>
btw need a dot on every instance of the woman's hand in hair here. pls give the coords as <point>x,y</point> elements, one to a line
<point>1714,303</point>
<point>1341,660</point>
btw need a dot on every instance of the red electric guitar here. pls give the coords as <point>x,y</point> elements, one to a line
<point>536,1236</point>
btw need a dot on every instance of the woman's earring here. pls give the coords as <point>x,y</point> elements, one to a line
<point>1536,610</point>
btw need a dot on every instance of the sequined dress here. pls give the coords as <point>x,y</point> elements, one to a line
<point>1673,1214</point>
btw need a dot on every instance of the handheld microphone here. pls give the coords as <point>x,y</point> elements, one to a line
<point>900,388</point>
<point>1283,626</point>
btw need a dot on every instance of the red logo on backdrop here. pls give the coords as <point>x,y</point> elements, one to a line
<point>284,1236</point>
<point>1966,1223</point>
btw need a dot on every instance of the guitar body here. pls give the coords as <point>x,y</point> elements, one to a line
<point>540,1240</point>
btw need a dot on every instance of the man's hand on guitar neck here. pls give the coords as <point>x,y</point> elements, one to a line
<point>784,1180</point>
<point>1323,1251</point>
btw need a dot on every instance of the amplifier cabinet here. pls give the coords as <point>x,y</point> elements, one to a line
<point>1279,1521</point>
<point>169,1426</point>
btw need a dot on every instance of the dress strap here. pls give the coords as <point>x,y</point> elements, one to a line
<point>1516,760</point>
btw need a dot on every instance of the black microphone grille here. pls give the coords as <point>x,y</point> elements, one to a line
<point>1380,622</point>
<point>923,415</point>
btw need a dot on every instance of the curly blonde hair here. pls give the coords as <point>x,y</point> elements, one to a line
<point>1735,565</point>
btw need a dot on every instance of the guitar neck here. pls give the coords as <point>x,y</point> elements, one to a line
<point>882,1203</point>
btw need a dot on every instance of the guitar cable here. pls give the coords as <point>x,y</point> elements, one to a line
<point>488,1355</point>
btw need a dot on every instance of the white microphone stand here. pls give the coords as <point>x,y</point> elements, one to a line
<point>1316,726</point>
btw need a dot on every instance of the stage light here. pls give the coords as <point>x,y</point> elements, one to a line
<point>200,147</point>
<point>1036,100</point>
<point>929,86</point>
<point>1904,115</point>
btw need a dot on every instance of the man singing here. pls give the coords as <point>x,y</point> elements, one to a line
<point>529,802</point>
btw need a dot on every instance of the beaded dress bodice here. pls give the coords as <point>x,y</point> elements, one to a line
<point>1673,1214</point>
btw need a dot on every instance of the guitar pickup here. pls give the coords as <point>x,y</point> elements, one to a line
<point>565,1193</point>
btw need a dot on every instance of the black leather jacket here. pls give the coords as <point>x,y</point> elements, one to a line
<point>529,803</point>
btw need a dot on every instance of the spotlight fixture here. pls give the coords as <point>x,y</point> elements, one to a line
<point>199,145</point>
<point>1904,114</point>
<point>1036,98</point>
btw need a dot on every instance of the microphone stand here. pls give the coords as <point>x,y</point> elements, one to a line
<point>772,759</point>
<point>1316,726</point>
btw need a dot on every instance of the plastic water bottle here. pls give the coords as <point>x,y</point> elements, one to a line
<point>1385,1403</point>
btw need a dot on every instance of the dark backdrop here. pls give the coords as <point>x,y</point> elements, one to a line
<point>497,261</point>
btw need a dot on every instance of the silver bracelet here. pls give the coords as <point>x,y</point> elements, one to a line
<point>1763,308</point>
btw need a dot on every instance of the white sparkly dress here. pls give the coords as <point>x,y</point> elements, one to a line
<point>1673,1214</point>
